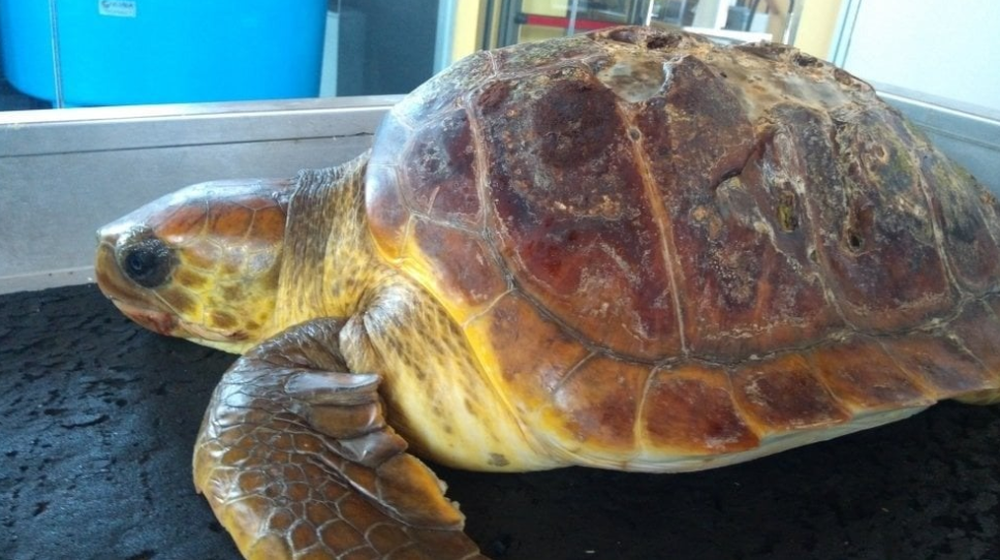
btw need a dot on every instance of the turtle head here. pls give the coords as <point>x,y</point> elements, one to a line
<point>201,263</point>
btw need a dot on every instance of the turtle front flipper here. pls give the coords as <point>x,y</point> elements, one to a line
<point>297,461</point>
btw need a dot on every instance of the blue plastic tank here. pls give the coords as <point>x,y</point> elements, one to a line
<point>123,52</point>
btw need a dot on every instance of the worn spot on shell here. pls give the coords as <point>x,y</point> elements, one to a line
<point>634,79</point>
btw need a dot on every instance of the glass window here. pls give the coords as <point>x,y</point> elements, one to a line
<point>70,53</point>
<point>728,21</point>
<point>926,50</point>
<point>123,52</point>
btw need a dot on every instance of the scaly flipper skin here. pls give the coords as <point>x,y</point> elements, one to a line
<point>297,461</point>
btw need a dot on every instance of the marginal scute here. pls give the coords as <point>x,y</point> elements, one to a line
<point>458,265</point>
<point>784,393</point>
<point>864,377</point>
<point>388,214</point>
<point>544,354</point>
<point>440,159</point>
<point>689,410</point>
<point>978,330</point>
<point>941,364</point>
<point>597,407</point>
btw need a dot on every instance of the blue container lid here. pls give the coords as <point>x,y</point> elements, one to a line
<point>119,52</point>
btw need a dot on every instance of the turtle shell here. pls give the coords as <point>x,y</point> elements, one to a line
<point>659,246</point>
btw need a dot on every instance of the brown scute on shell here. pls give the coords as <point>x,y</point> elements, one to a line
<point>748,290</point>
<point>443,160</point>
<point>386,207</point>
<point>592,255</point>
<point>877,228</point>
<point>630,35</point>
<point>599,403</point>
<point>970,238</point>
<point>470,271</point>
<point>785,392</point>
<point>635,223</point>
<point>864,377</point>
<point>940,363</point>
<point>978,330</point>
<point>574,121</point>
<point>690,409</point>
<point>545,354</point>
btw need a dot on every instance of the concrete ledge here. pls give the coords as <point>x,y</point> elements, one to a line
<point>65,173</point>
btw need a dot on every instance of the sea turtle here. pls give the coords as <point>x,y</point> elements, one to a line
<point>631,250</point>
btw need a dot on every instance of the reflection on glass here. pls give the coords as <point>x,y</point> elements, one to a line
<point>124,52</point>
<point>723,20</point>
<point>112,52</point>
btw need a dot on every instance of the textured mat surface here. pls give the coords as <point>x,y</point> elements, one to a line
<point>97,420</point>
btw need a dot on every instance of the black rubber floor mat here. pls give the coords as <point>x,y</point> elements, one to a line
<point>98,417</point>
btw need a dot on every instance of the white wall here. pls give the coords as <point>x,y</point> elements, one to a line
<point>947,50</point>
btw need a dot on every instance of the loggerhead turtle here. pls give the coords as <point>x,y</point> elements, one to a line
<point>629,250</point>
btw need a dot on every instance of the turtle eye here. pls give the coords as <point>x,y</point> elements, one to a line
<point>147,262</point>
